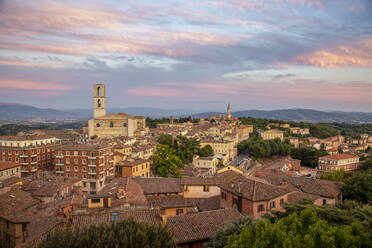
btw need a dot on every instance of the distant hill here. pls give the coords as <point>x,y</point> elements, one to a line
<point>19,112</point>
<point>305,115</point>
<point>13,112</point>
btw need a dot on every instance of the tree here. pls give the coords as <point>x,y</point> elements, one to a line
<point>303,230</point>
<point>366,165</point>
<point>205,151</point>
<point>166,139</point>
<point>124,234</point>
<point>166,162</point>
<point>186,148</point>
<point>220,239</point>
<point>334,175</point>
<point>358,187</point>
<point>256,147</point>
<point>309,156</point>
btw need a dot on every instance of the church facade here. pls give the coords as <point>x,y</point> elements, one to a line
<point>112,125</point>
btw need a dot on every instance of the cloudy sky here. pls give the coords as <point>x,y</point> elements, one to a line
<point>188,54</point>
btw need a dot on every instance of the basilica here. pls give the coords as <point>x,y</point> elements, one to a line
<point>112,125</point>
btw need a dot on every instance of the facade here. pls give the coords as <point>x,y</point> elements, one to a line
<point>134,168</point>
<point>9,169</point>
<point>112,125</point>
<point>194,187</point>
<point>344,161</point>
<point>302,131</point>
<point>34,153</point>
<point>206,163</point>
<point>271,134</point>
<point>93,164</point>
<point>221,147</point>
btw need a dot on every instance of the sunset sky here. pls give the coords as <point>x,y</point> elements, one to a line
<point>200,55</point>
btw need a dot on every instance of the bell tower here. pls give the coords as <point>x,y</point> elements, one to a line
<point>229,111</point>
<point>99,100</point>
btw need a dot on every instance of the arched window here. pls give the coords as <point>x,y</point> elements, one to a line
<point>99,104</point>
<point>98,125</point>
<point>111,124</point>
<point>125,125</point>
<point>98,91</point>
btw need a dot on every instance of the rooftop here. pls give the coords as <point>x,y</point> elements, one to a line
<point>8,165</point>
<point>340,156</point>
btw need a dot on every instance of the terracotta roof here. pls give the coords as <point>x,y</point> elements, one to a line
<point>25,138</point>
<point>199,226</point>
<point>170,201</point>
<point>254,190</point>
<point>83,147</point>
<point>159,185</point>
<point>8,165</point>
<point>117,116</point>
<point>307,185</point>
<point>128,163</point>
<point>200,181</point>
<point>86,218</point>
<point>340,156</point>
<point>14,202</point>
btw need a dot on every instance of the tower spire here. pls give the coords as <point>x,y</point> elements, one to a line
<point>228,111</point>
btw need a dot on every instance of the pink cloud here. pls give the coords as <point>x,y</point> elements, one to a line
<point>32,86</point>
<point>24,63</point>
<point>357,54</point>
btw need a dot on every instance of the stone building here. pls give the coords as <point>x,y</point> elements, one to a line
<point>92,163</point>
<point>112,125</point>
<point>344,161</point>
<point>271,134</point>
<point>33,153</point>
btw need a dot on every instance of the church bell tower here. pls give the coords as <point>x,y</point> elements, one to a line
<point>229,111</point>
<point>99,100</point>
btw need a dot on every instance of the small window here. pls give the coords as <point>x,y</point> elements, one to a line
<point>324,201</point>
<point>261,208</point>
<point>206,188</point>
<point>272,204</point>
<point>114,217</point>
<point>111,124</point>
<point>98,125</point>
<point>281,202</point>
<point>185,188</point>
<point>96,200</point>
<point>179,211</point>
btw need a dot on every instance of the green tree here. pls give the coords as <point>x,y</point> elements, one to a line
<point>166,139</point>
<point>166,162</point>
<point>334,175</point>
<point>186,148</point>
<point>124,234</point>
<point>358,187</point>
<point>309,156</point>
<point>220,239</point>
<point>303,230</point>
<point>366,164</point>
<point>205,151</point>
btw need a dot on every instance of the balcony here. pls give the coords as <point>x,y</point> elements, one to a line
<point>34,170</point>
<point>91,165</point>
<point>23,156</point>
<point>60,172</point>
<point>35,162</point>
<point>102,172</point>
<point>60,156</point>
<point>24,171</point>
<point>59,164</point>
<point>92,173</point>
<point>33,155</point>
<point>24,163</point>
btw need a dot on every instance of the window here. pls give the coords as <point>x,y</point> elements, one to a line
<point>76,161</point>
<point>67,160</point>
<point>324,201</point>
<point>111,124</point>
<point>67,153</point>
<point>272,204</point>
<point>84,161</point>
<point>98,125</point>
<point>185,188</point>
<point>84,153</point>
<point>223,195</point>
<point>206,188</point>
<point>96,200</point>
<point>261,208</point>
<point>76,168</point>
<point>281,202</point>
<point>76,153</point>
<point>67,168</point>
<point>179,211</point>
<point>114,217</point>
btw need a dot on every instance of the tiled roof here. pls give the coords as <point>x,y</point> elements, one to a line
<point>199,226</point>
<point>14,202</point>
<point>8,165</point>
<point>340,156</point>
<point>170,201</point>
<point>26,137</point>
<point>83,147</point>
<point>159,185</point>
<point>199,181</point>
<point>82,219</point>
<point>307,185</point>
<point>254,190</point>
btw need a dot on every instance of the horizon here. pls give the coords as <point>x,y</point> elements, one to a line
<point>271,55</point>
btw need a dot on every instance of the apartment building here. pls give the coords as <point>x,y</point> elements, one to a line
<point>9,169</point>
<point>271,134</point>
<point>344,161</point>
<point>134,168</point>
<point>33,153</point>
<point>92,163</point>
<point>221,147</point>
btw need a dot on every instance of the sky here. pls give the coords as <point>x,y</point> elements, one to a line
<point>189,54</point>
